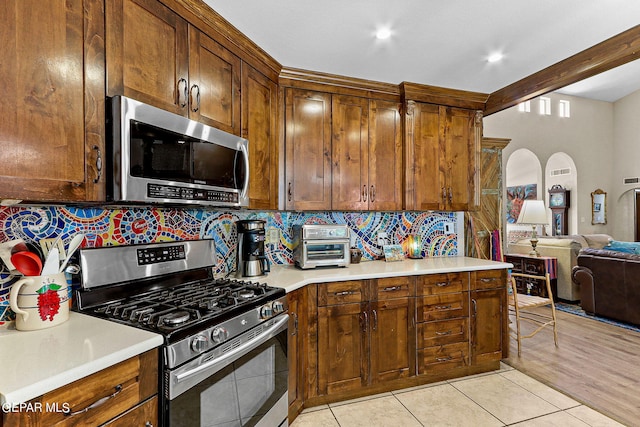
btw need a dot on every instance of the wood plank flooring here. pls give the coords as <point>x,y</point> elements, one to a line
<point>596,364</point>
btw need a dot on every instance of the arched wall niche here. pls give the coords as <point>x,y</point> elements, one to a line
<point>561,170</point>
<point>523,180</point>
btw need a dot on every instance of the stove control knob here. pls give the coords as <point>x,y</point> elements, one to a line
<point>266,311</point>
<point>219,335</point>
<point>199,343</point>
<point>278,307</point>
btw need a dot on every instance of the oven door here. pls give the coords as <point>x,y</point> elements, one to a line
<point>244,386</point>
<point>326,252</point>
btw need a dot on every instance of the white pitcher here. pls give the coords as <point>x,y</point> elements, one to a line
<point>40,301</point>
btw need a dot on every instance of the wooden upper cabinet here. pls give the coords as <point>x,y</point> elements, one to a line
<point>147,53</point>
<point>349,153</point>
<point>442,150</point>
<point>385,156</point>
<point>424,156</point>
<point>259,112</point>
<point>308,150</point>
<point>214,83</point>
<point>462,148</point>
<point>51,140</point>
<point>157,57</point>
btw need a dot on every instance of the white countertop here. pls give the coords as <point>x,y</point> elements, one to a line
<point>36,362</point>
<point>292,278</point>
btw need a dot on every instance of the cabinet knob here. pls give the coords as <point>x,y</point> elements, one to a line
<point>98,164</point>
<point>364,193</point>
<point>372,193</point>
<point>183,100</point>
<point>290,192</point>
<point>195,106</point>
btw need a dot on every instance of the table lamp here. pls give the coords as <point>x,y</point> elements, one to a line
<point>533,213</point>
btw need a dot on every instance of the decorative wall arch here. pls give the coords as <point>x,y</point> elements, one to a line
<point>561,170</point>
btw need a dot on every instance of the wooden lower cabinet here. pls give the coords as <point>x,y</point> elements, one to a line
<point>368,341</point>
<point>122,395</point>
<point>489,316</point>
<point>361,337</point>
<point>443,319</point>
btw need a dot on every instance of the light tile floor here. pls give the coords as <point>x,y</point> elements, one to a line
<point>504,397</point>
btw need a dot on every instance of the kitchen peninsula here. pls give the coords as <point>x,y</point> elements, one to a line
<point>451,303</point>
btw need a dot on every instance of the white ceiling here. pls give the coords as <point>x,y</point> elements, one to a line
<point>435,42</point>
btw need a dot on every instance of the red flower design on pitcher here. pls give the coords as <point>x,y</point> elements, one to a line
<point>48,301</point>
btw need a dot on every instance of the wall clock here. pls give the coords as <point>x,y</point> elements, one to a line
<point>559,202</point>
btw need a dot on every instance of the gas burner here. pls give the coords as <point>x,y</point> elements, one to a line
<point>176,318</point>
<point>246,293</point>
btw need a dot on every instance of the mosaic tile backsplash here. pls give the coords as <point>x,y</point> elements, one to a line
<point>106,227</point>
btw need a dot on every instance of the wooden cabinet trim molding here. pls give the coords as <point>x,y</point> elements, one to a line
<point>443,96</point>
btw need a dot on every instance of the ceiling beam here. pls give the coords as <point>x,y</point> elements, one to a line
<point>611,53</point>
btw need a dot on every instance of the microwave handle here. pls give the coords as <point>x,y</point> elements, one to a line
<point>245,156</point>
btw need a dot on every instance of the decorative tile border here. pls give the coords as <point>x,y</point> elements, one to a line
<point>120,226</point>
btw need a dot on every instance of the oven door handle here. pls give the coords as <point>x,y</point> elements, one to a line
<point>241,350</point>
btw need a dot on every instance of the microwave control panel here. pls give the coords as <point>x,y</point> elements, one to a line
<point>174,192</point>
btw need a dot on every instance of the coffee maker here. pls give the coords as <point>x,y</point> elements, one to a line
<point>251,259</point>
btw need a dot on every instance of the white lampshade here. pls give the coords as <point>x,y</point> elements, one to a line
<point>533,212</point>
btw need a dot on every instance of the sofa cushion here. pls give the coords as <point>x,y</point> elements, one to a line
<point>596,241</point>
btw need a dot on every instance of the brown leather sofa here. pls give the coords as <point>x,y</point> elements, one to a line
<point>609,284</point>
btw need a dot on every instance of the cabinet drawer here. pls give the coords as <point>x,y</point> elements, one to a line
<point>439,307</point>
<point>340,293</point>
<point>122,387</point>
<point>394,287</point>
<point>533,266</point>
<point>443,332</point>
<point>490,279</point>
<point>516,261</point>
<point>145,414</point>
<point>434,284</point>
<point>433,360</point>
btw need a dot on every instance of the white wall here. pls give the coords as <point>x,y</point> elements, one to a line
<point>626,163</point>
<point>587,137</point>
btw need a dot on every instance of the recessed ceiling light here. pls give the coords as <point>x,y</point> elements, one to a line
<point>495,57</point>
<point>383,33</point>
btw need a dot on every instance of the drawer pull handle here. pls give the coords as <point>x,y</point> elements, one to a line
<point>485,280</point>
<point>444,333</point>
<point>442,284</point>
<point>444,359</point>
<point>443,307</point>
<point>95,404</point>
<point>392,288</point>
<point>344,293</point>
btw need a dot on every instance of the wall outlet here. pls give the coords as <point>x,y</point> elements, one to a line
<point>449,228</point>
<point>382,238</point>
<point>273,235</point>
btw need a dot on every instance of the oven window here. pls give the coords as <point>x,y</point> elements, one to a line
<point>323,251</point>
<point>159,154</point>
<point>239,395</point>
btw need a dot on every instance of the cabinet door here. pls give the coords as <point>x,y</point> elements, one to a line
<point>294,354</point>
<point>214,83</point>
<point>462,152</point>
<point>349,153</point>
<point>392,339</point>
<point>308,149</point>
<point>259,115</point>
<point>487,325</point>
<point>50,143</point>
<point>385,156</point>
<point>342,348</point>
<point>147,53</point>
<point>425,157</point>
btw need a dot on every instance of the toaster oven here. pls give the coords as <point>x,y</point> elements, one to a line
<point>321,245</point>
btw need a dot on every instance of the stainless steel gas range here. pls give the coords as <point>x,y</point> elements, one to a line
<point>225,340</point>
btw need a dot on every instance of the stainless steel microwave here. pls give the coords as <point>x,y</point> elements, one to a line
<point>161,157</point>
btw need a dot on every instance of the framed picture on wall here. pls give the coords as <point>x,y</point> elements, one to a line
<point>516,196</point>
